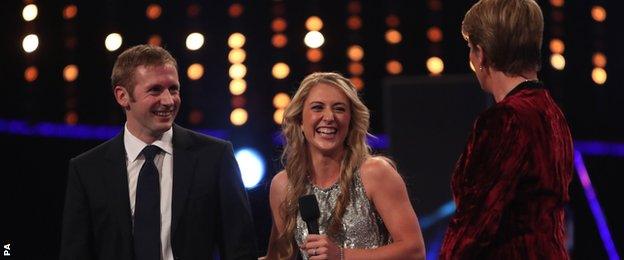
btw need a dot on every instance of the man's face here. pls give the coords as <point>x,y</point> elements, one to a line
<point>154,102</point>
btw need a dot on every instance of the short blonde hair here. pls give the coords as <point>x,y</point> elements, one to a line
<point>509,31</point>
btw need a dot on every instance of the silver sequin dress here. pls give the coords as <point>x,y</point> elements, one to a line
<point>362,227</point>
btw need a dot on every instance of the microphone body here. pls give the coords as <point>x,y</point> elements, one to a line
<point>310,213</point>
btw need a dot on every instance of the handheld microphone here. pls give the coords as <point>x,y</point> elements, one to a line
<point>309,210</point>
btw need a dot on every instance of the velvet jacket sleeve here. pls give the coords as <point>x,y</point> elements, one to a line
<point>237,229</point>
<point>484,182</point>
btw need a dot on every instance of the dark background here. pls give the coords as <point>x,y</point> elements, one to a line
<point>34,167</point>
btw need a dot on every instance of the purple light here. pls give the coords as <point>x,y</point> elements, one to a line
<point>83,132</point>
<point>599,148</point>
<point>380,141</point>
<point>594,205</point>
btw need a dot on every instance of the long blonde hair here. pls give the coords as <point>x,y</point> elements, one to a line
<point>296,158</point>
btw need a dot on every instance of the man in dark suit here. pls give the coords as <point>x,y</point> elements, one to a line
<point>156,190</point>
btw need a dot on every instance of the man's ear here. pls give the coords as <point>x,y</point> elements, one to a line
<point>122,96</point>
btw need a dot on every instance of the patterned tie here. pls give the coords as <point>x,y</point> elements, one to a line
<point>147,209</point>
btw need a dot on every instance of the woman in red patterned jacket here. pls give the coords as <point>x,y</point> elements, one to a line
<point>511,182</point>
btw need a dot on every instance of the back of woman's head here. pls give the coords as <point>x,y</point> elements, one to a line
<point>508,31</point>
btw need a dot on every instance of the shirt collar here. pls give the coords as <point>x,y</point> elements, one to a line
<point>527,84</point>
<point>134,145</point>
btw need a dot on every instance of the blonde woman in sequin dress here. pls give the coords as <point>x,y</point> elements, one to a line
<point>365,209</point>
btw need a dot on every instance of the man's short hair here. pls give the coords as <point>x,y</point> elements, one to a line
<point>140,55</point>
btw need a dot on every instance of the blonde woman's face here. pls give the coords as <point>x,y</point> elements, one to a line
<point>326,118</point>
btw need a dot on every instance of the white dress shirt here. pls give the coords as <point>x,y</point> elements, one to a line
<point>164,163</point>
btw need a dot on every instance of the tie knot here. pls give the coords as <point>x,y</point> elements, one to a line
<point>150,152</point>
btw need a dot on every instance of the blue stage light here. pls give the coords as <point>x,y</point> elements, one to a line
<point>251,165</point>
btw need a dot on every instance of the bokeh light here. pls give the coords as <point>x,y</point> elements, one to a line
<point>70,11</point>
<point>280,70</point>
<point>30,12</point>
<point>392,21</point>
<point>278,116</point>
<point>557,3</point>
<point>238,86</point>
<point>598,13</point>
<point>194,41</point>
<point>31,74</point>
<point>238,101</point>
<point>599,59</point>
<point>394,67</point>
<point>434,34</point>
<point>599,76</point>
<point>195,71</point>
<point>155,40</point>
<point>355,52</point>
<point>357,82</point>
<point>281,100</point>
<point>70,72</point>
<point>237,56</point>
<point>314,23</point>
<point>278,25</point>
<point>393,36</point>
<point>279,40</point>
<point>557,61</point>
<point>236,40</point>
<point>556,46</point>
<point>434,5</point>
<point>314,55</point>
<point>314,39</point>
<point>71,118</point>
<point>113,41</point>
<point>235,10</point>
<point>354,22</point>
<point>196,116</point>
<point>238,116</point>
<point>251,166</point>
<point>237,71</point>
<point>153,11</point>
<point>435,65</point>
<point>355,68</point>
<point>30,43</point>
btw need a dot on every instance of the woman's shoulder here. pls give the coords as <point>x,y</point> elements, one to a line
<point>280,181</point>
<point>379,172</point>
<point>377,166</point>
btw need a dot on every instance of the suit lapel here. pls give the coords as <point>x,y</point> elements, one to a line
<point>183,169</point>
<point>116,179</point>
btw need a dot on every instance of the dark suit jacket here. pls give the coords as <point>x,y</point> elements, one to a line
<point>209,209</point>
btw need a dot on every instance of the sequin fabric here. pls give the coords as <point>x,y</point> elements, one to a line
<point>362,227</point>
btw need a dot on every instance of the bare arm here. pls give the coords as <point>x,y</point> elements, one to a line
<point>385,187</point>
<point>277,195</point>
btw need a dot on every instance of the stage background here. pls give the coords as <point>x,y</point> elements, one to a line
<point>420,116</point>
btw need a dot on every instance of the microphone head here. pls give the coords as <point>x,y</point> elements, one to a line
<point>308,208</point>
